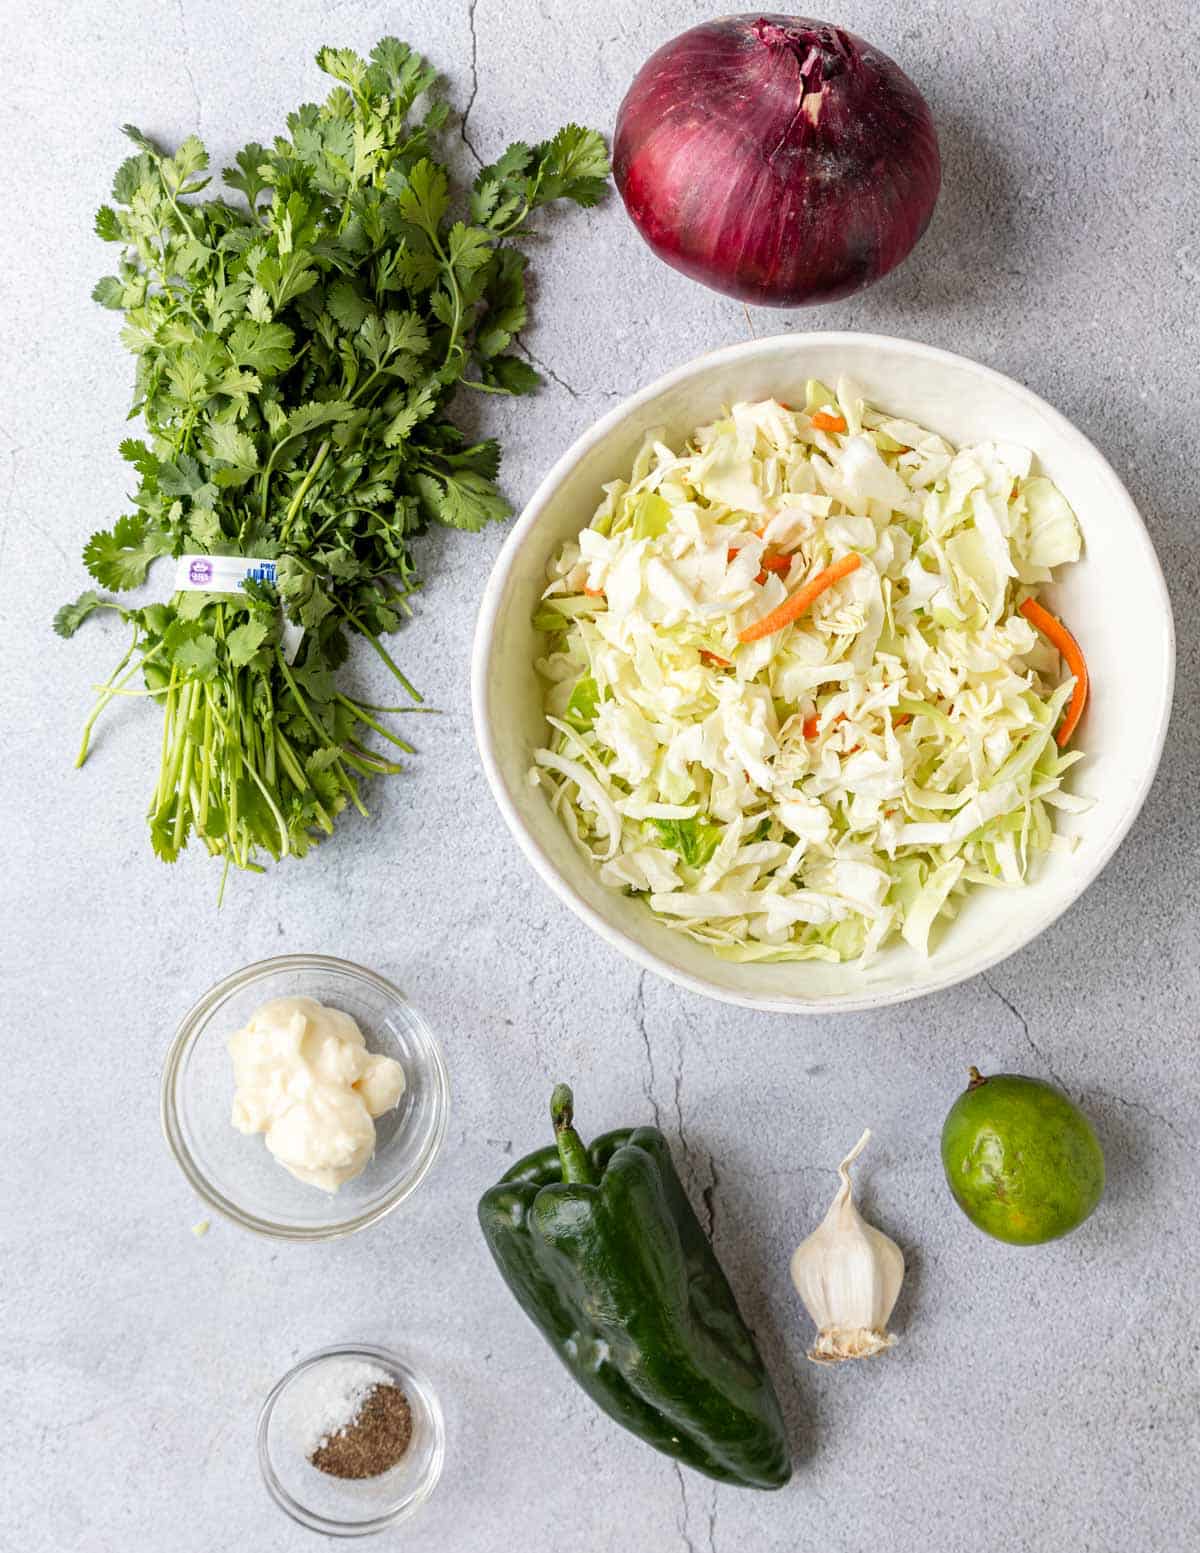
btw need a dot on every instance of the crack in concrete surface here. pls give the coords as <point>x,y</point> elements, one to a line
<point>708,1193</point>
<point>575,393</point>
<point>8,509</point>
<point>549,371</point>
<point>681,1522</point>
<point>186,60</point>
<point>1155,1116</point>
<point>1024,1023</point>
<point>466,113</point>
<point>709,1197</point>
<point>639,1019</point>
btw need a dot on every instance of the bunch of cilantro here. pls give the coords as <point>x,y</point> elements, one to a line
<point>296,357</point>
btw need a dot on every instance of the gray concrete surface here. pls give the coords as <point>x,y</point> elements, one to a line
<point>1039,1400</point>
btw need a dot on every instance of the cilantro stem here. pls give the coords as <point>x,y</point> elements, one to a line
<point>358,760</point>
<point>293,507</point>
<point>109,692</point>
<point>363,716</point>
<point>234,757</point>
<point>167,190</point>
<point>484,388</point>
<point>322,736</point>
<point>160,789</point>
<point>183,773</point>
<point>116,690</point>
<point>284,845</point>
<point>206,769</point>
<point>106,694</point>
<point>381,650</point>
<point>291,765</point>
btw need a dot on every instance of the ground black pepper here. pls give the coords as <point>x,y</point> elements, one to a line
<point>374,1439</point>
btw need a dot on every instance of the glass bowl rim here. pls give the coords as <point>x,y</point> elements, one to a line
<point>190,1028</point>
<point>311,1518</point>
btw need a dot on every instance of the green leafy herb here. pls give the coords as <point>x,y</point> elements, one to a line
<point>297,351</point>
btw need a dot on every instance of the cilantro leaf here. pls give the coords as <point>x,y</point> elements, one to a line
<point>135,452</point>
<point>244,641</point>
<point>181,476</point>
<point>469,246</point>
<point>108,225</point>
<point>71,616</point>
<point>424,197</point>
<point>405,333</point>
<point>511,374</point>
<point>462,499</point>
<point>574,166</point>
<point>267,348</point>
<point>418,404</point>
<point>197,656</point>
<point>309,416</point>
<point>504,301</point>
<point>109,292</point>
<point>236,451</point>
<point>120,558</point>
<point>401,72</point>
<point>482,457</point>
<point>247,177</point>
<point>347,305</point>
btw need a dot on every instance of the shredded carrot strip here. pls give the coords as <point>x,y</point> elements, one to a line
<point>811,726</point>
<point>594,593</point>
<point>792,608</point>
<point>899,722</point>
<point>1057,634</point>
<point>826,422</point>
<point>711,657</point>
<point>770,563</point>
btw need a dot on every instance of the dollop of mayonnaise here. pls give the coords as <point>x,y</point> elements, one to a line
<point>305,1078</point>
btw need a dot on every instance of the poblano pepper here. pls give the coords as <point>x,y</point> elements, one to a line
<point>606,1257</point>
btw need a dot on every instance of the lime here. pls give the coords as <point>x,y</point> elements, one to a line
<point>1021,1159</point>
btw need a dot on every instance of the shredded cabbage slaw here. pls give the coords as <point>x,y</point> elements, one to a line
<point>818,791</point>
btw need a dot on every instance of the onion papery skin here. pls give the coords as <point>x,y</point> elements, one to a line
<point>779,160</point>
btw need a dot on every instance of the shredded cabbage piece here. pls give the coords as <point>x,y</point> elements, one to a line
<point>846,780</point>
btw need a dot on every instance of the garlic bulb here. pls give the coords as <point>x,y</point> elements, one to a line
<point>848,1274</point>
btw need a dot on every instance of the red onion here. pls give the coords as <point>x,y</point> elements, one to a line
<point>780,160</point>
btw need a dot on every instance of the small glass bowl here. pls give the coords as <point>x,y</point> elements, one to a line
<point>236,1174</point>
<point>341,1507</point>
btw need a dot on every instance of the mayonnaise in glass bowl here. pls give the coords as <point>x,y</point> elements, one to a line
<point>236,1174</point>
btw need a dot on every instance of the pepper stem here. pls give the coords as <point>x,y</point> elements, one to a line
<point>576,1166</point>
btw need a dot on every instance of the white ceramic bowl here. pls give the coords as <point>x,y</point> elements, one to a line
<point>1115,601</point>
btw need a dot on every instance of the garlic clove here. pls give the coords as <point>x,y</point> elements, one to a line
<point>848,1274</point>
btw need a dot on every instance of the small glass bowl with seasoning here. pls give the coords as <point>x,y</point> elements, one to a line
<point>351,1441</point>
<point>234,1171</point>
